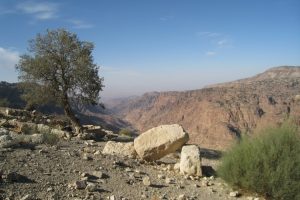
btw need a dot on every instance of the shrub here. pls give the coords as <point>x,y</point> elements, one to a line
<point>50,138</point>
<point>268,164</point>
<point>4,102</point>
<point>125,132</point>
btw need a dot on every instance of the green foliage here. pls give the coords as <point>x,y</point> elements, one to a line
<point>4,102</point>
<point>50,138</point>
<point>268,164</point>
<point>126,132</point>
<point>59,68</point>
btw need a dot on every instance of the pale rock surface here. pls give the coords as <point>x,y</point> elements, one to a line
<point>160,141</point>
<point>120,149</point>
<point>190,161</point>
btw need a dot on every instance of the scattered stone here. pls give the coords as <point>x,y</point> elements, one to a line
<point>97,152</point>
<point>190,162</point>
<point>234,194</point>
<point>182,197</point>
<point>161,176</point>
<point>27,197</point>
<point>112,197</point>
<point>170,181</point>
<point>160,141</point>
<point>86,157</point>
<point>50,189</point>
<point>146,181</point>
<point>91,187</point>
<point>120,149</point>
<point>128,169</point>
<point>98,174</point>
<point>80,185</point>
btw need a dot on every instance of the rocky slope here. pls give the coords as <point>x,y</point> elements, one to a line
<point>217,115</point>
<point>10,96</point>
<point>41,161</point>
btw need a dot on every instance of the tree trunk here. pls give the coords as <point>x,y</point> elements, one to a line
<point>70,114</point>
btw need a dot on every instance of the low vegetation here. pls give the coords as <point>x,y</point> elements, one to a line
<point>126,132</point>
<point>268,164</point>
<point>50,139</point>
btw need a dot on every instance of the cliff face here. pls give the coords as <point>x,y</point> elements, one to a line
<point>217,115</point>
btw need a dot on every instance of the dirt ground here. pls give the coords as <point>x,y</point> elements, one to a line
<point>49,172</point>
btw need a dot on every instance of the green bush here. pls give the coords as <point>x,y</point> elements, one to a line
<point>125,132</point>
<point>268,164</point>
<point>4,102</point>
<point>50,138</point>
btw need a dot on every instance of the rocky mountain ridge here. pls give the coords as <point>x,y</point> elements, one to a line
<point>217,115</point>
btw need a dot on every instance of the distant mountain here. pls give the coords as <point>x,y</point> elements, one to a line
<point>217,115</point>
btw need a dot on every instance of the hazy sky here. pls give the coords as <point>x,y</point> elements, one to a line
<point>158,45</point>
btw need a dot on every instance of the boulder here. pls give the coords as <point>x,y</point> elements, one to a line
<point>190,161</point>
<point>160,141</point>
<point>119,148</point>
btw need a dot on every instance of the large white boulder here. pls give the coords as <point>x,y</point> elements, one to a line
<point>160,141</point>
<point>119,149</point>
<point>190,161</point>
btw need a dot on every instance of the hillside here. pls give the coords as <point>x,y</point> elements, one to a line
<point>10,96</point>
<point>217,115</point>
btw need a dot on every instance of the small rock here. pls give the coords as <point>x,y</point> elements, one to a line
<point>234,194</point>
<point>80,185</point>
<point>27,197</point>
<point>49,189</point>
<point>182,197</point>
<point>190,160</point>
<point>170,181</point>
<point>98,174</point>
<point>127,169</point>
<point>97,152</point>
<point>86,157</point>
<point>161,176</point>
<point>91,187</point>
<point>112,197</point>
<point>146,181</point>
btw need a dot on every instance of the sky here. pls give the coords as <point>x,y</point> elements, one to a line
<point>161,45</point>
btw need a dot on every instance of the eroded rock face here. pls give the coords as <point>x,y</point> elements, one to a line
<point>190,161</point>
<point>160,141</point>
<point>216,116</point>
<point>119,148</point>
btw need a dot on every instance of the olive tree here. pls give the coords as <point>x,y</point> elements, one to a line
<point>60,68</point>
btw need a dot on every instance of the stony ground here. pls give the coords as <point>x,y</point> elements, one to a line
<point>49,172</point>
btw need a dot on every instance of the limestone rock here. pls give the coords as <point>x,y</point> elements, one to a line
<point>146,181</point>
<point>120,149</point>
<point>234,194</point>
<point>160,141</point>
<point>190,161</point>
